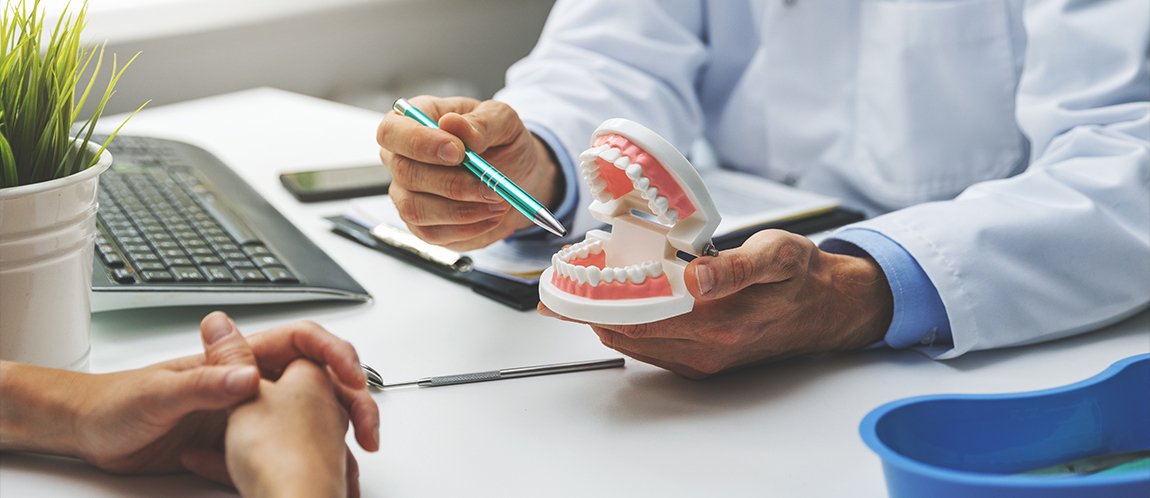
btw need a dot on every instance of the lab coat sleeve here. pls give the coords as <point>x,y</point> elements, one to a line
<point>1063,247</point>
<point>597,60</point>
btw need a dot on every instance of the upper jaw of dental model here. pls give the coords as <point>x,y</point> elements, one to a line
<point>615,166</point>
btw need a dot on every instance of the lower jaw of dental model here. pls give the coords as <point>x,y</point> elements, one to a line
<point>632,274</point>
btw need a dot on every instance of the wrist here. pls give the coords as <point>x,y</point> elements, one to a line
<point>552,183</point>
<point>39,409</point>
<point>293,474</point>
<point>863,289</point>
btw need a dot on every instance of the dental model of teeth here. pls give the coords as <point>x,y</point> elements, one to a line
<point>657,205</point>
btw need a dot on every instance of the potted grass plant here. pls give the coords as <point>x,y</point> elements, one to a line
<point>49,169</point>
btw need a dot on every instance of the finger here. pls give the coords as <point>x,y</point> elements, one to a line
<point>352,475</point>
<point>406,137</point>
<point>364,414</point>
<point>461,237</point>
<point>768,256</point>
<point>223,344</point>
<point>548,312</point>
<point>663,353</point>
<point>445,181</point>
<point>208,464</point>
<point>420,209</point>
<point>491,123</point>
<point>175,394</point>
<point>279,346</point>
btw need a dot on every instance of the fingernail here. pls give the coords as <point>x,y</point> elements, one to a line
<point>705,279</point>
<point>448,153</point>
<point>217,328</point>
<point>239,380</point>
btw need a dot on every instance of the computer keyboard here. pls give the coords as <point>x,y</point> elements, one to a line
<point>178,227</point>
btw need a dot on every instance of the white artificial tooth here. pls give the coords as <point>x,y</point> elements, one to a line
<point>653,268</point>
<point>672,216</point>
<point>597,247</point>
<point>651,193</point>
<point>634,171</point>
<point>581,274</point>
<point>636,273</point>
<point>654,207</point>
<point>583,251</point>
<point>661,204</point>
<point>610,155</point>
<point>663,219</point>
<point>642,184</point>
<point>603,196</point>
<point>555,261</point>
<point>608,275</point>
<point>589,155</point>
<point>593,275</point>
<point>622,162</point>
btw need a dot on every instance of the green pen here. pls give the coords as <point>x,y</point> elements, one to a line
<point>507,189</point>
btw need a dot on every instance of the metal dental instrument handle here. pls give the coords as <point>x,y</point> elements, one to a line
<point>506,373</point>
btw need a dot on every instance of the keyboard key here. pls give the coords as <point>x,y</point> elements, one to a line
<point>257,250</point>
<point>280,275</point>
<point>218,273</point>
<point>187,274</point>
<point>123,276</point>
<point>251,275</point>
<point>266,261</point>
<point>150,266</point>
<point>157,276</point>
<point>140,257</point>
<point>112,260</point>
<point>180,261</point>
<point>210,259</point>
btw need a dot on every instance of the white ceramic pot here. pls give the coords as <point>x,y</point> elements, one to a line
<point>47,233</point>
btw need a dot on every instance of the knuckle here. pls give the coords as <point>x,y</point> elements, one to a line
<point>638,331</point>
<point>460,187</point>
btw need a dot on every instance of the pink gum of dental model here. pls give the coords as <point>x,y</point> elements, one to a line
<point>632,274</point>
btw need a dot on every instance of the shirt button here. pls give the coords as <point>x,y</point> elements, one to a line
<point>791,179</point>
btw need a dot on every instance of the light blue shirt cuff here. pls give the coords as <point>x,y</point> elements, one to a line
<point>919,317</point>
<point>565,213</point>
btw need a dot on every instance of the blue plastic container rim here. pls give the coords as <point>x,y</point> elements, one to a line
<point>868,429</point>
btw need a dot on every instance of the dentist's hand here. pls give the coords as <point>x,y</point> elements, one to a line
<point>442,202</point>
<point>775,297</point>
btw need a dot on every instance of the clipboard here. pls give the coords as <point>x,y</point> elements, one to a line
<point>519,294</point>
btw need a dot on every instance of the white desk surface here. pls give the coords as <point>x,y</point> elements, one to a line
<point>788,429</point>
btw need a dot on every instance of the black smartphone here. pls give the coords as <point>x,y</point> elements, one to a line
<point>337,183</point>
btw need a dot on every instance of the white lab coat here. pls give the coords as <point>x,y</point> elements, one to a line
<point>1007,142</point>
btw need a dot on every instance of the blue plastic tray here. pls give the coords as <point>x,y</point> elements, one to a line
<point>976,445</point>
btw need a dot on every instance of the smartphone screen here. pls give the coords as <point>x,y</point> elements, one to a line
<point>337,183</point>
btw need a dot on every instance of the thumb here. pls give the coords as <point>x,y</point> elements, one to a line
<point>767,257</point>
<point>223,344</point>
<point>206,388</point>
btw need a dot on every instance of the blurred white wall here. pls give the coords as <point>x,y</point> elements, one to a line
<point>353,50</point>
